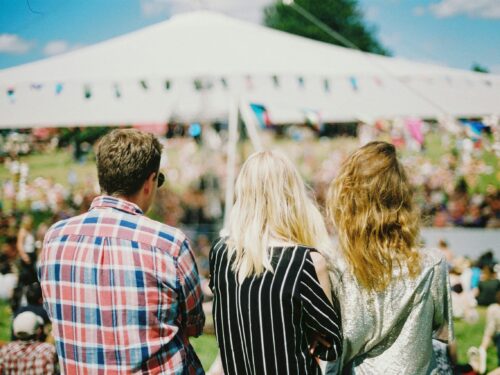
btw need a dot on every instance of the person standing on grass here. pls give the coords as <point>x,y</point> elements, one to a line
<point>273,309</point>
<point>122,290</point>
<point>28,354</point>
<point>395,297</point>
<point>26,250</point>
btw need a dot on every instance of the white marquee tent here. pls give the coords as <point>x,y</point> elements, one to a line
<point>191,68</point>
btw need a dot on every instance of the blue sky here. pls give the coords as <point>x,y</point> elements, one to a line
<point>455,33</point>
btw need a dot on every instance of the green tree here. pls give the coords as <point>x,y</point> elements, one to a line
<point>343,16</point>
<point>479,68</point>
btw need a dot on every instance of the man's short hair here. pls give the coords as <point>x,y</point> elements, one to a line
<point>34,294</point>
<point>125,160</point>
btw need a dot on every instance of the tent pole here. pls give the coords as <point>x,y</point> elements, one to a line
<point>251,126</point>
<point>231,159</point>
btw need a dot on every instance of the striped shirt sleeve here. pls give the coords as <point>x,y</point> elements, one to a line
<point>190,298</point>
<point>320,316</point>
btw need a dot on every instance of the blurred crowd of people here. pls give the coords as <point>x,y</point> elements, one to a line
<point>447,191</point>
<point>474,283</point>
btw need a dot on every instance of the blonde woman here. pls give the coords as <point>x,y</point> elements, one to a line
<point>26,240</point>
<point>272,309</point>
<point>395,297</point>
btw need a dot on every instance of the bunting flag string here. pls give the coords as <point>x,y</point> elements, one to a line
<point>277,82</point>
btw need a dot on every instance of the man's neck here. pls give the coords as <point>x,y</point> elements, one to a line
<point>136,199</point>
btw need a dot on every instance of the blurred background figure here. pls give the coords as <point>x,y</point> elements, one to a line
<point>28,354</point>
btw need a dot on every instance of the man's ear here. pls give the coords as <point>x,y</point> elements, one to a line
<point>149,183</point>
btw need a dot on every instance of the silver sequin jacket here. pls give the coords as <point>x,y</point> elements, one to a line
<point>391,332</point>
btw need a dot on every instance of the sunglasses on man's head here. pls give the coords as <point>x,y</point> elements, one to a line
<point>161,179</point>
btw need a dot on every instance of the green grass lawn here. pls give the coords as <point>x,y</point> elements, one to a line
<point>467,335</point>
<point>55,165</point>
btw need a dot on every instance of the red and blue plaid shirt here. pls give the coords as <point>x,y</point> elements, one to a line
<point>28,358</point>
<point>122,291</point>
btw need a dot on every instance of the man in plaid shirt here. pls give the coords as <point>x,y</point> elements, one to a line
<point>122,290</point>
<point>28,355</point>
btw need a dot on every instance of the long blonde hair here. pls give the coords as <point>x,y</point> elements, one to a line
<point>377,222</point>
<point>271,203</point>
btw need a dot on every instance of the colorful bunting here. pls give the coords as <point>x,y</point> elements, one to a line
<point>354,83</point>
<point>276,81</point>
<point>301,82</point>
<point>87,92</point>
<point>326,85</point>
<point>11,94</point>
<point>118,93</point>
<point>261,114</point>
<point>312,118</point>
<point>198,85</point>
<point>59,88</point>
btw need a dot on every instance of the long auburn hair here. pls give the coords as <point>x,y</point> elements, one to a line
<point>271,203</point>
<point>377,222</point>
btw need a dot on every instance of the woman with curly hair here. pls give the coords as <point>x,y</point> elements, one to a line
<point>394,295</point>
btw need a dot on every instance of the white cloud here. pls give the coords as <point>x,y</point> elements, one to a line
<point>495,69</point>
<point>14,44</point>
<point>56,47</point>
<point>244,9</point>
<point>472,8</point>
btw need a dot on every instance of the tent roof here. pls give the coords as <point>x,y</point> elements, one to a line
<point>205,44</point>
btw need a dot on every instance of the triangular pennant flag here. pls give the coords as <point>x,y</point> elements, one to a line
<point>11,94</point>
<point>59,88</point>
<point>262,115</point>
<point>87,92</point>
<point>354,83</point>
<point>118,92</point>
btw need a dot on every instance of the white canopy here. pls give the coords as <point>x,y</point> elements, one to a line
<point>192,66</point>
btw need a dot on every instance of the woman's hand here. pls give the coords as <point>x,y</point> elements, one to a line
<point>318,339</point>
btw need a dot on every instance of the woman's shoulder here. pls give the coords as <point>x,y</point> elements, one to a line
<point>219,245</point>
<point>431,257</point>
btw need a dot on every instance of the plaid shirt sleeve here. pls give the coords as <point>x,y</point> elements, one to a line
<point>191,298</point>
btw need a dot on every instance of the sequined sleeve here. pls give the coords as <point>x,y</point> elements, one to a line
<point>443,315</point>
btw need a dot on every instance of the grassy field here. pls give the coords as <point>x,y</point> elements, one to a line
<point>468,335</point>
<point>55,165</point>
<point>206,347</point>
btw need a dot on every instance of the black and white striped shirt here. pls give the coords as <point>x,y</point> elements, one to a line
<point>264,324</point>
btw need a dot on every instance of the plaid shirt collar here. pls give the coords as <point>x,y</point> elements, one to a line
<point>106,201</point>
